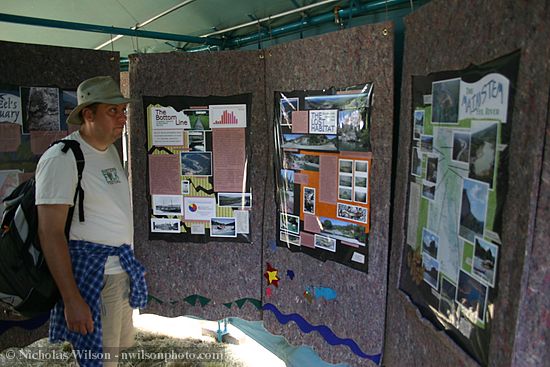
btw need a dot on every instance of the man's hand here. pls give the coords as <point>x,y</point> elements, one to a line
<point>51,231</point>
<point>78,316</point>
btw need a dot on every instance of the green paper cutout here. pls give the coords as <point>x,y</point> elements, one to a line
<point>192,299</point>
<point>153,298</point>
<point>228,305</point>
<point>203,300</point>
<point>256,302</point>
<point>240,302</point>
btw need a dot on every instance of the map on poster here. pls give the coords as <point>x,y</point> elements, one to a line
<point>323,164</point>
<point>458,181</point>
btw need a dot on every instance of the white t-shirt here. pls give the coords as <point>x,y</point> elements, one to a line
<point>107,210</point>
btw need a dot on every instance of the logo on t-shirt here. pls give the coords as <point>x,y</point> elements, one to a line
<point>111,176</point>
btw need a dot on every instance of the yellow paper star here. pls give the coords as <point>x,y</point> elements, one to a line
<point>271,275</point>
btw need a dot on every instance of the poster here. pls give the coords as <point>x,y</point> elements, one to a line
<point>461,130</point>
<point>31,118</point>
<point>198,168</point>
<point>323,164</point>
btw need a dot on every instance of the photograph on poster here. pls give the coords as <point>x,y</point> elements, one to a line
<point>286,200</point>
<point>345,166</point>
<point>235,199</point>
<point>352,132</point>
<point>287,106</point>
<point>309,200</point>
<point>362,168</point>
<point>185,187</point>
<point>323,121</point>
<point>445,101</point>
<point>287,179</point>
<point>345,180</point>
<point>351,101</point>
<point>297,161</point>
<point>162,225</point>
<point>447,305</point>
<point>485,261</point>
<point>416,135</point>
<point>167,204</point>
<point>360,182</point>
<point>431,168</point>
<point>428,190</point>
<point>418,124</point>
<point>223,227</point>
<point>289,238</point>
<point>431,270</point>
<point>426,143</point>
<point>310,142</point>
<point>350,121</point>
<point>344,193</point>
<point>471,295</point>
<point>430,242</point>
<point>416,162</point>
<point>461,146</point>
<point>41,109</point>
<point>483,151</point>
<point>197,142</point>
<point>343,231</point>
<point>326,243</point>
<point>198,119</point>
<point>360,195</point>
<point>290,223</point>
<point>352,212</point>
<point>473,209</point>
<point>196,163</point>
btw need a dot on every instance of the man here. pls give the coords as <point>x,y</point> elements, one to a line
<point>96,269</point>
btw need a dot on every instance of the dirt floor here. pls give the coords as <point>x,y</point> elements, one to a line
<point>176,342</point>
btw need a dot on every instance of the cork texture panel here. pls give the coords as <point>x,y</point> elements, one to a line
<point>35,65</point>
<point>451,35</point>
<point>339,59</point>
<point>533,330</point>
<point>220,271</point>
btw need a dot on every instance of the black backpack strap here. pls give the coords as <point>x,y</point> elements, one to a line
<point>74,146</point>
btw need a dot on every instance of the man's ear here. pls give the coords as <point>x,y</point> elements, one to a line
<point>87,114</point>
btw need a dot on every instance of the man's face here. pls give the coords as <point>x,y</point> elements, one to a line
<point>108,121</point>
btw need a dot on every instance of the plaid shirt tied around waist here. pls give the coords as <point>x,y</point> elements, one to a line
<point>88,260</point>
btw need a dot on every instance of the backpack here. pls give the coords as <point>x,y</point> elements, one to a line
<point>26,285</point>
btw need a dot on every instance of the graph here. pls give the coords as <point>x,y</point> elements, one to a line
<point>227,116</point>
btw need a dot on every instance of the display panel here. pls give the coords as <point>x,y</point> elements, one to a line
<point>457,185</point>
<point>198,167</point>
<point>322,168</point>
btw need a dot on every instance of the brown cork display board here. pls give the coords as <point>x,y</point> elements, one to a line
<point>34,65</point>
<point>443,30</point>
<point>340,59</point>
<point>221,272</point>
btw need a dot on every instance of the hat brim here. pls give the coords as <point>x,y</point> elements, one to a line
<point>75,118</point>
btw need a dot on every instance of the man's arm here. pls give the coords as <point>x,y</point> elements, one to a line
<point>51,231</point>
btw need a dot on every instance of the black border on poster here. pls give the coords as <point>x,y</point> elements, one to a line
<point>183,102</point>
<point>344,253</point>
<point>422,295</point>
